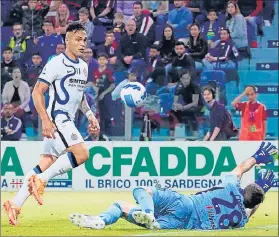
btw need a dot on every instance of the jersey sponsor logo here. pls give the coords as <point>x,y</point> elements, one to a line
<point>77,81</point>
<point>211,215</point>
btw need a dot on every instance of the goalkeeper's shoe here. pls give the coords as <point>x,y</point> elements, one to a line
<point>12,212</point>
<point>92,222</point>
<point>146,219</point>
<point>36,188</point>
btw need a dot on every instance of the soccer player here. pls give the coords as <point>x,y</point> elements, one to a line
<point>65,76</point>
<point>221,207</point>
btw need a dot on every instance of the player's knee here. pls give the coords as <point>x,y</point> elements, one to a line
<point>138,189</point>
<point>119,204</point>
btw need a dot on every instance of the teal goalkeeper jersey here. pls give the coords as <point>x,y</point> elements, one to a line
<point>221,207</point>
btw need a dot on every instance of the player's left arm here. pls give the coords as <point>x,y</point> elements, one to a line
<point>265,154</point>
<point>93,122</point>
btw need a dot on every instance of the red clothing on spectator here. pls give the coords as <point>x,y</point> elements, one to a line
<point>103,79</point>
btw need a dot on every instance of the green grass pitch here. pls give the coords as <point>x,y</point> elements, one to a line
<point>52,218</point>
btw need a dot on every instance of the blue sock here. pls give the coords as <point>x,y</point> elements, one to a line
<point>112,214</point>
<point>144,199</point>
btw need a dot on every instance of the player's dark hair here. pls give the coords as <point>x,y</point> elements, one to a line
<point>47,21</point>
<point>154,46</point>
<point>177,43</point>
<point>253,195</point>
<point>211,90</point>
<point>253,87</point>
<point>17,67</point>
<point>8,48</point>
<point>36,54</point>
<point>74,27</point>
<point>17,24</point>
<point>83,10</point>
<point>100,55</point>
<point>211,10</point>
<point>109,32</point>
<point>183,72</point>
<point>138,3</point>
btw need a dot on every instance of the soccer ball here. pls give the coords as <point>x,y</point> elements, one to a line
<point>133,94</point>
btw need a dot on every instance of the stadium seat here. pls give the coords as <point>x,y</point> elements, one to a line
<point>217,76</point>
<point>244,64</point>
<point>272,126</point>
<point>264,64</point>
<point>99,34</point>
<point>231,87</point>
<point>159,32</point>
<point>258,76</point>
<point>270,99</point>
<point>259,53</point>
<point>271,32</point>
<point>6,34</point>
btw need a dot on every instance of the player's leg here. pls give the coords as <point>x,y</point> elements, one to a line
<point>13,207</point>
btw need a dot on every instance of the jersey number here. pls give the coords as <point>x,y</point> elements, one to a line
<point>231,222</point>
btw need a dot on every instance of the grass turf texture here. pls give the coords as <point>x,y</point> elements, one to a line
<point>52,218</point>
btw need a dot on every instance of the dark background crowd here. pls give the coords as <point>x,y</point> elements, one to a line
<point>212,65</point>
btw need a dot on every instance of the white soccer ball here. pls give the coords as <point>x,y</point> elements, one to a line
<point>133,94</point>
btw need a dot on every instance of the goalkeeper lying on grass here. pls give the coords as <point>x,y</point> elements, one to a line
<point>221,207</point>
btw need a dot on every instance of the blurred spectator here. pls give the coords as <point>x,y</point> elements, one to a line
<point>119,25</point>
<point>34,70</point>
<point>133,48</point>
<point>155,70</point>
<point>11,126</point>
<point>197,46</point>
<point>60,48</point>
<point>158,10</point>
<point>46,44</point>
<point>125,7</point>
<point>253,116</point>
<point>74,6</point>
<point>62,19</point>
<point>237,25</point>
<point>110,48</point>
<point>132,77</point>
<point>19,43</point>
<point>251,11</point>
<point>17,92</point>
<point>32,18</point>
<point>217,118</point>
<point>167,44</point>
<point>7,66</point>
<point>53,7</point>
<point>210,28</point>
<point>102,12</point>
<point>91,62</point>
<point>219,7</point>
<point>191,106</point>
<point>84,20</point>
<point>194,7</point>
<point>180,18</point>
<point>223,54</point>
<point>103,86</point>
<point>268,12</point>
<point>181,61</point>
<point>144,23</point>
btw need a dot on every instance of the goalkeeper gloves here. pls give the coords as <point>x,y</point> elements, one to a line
<point>265,179</point>
<point>265,154</point>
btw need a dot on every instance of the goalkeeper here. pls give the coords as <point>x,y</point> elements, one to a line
<point>225,206</point>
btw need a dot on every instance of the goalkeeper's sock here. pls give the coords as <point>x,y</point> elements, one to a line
<point>112,214</point>
<point>144,199</point>
<point>23,192</point>
<point>61,166</point>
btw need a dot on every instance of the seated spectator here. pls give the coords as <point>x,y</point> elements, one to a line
<point>115,94</point>
<point>237,25</point>
<point>62,19</point>
<point>92,64</point>
<point>268,12</point>
<point>84,20</point>
<point>251,11</point>
<point>7,66</point>
<point>181,61</point>
<point>11,126</point>
<point>197,46</point>
<point>180,19</point>
<point>102,12</point>
<point>133,48</point>
<point>218,5</point>
<point>144,23</point>
<point>126,8</point>
<point>32,17</point>
<point>19,43</point>
<point>46,44</point>
<point>60,48</point>
<point>103,86</point>
<point>110,48</point>
<point>155,71</point>
<point>119,25</point>
<point>194,7</point>
<point>191,106</point>
<point>158,10</point>
<point>17,92</point>
<point>34,70</point>
<point>210,28</point>
<point>167,44</point>
<point>53,7</point>
<point>221,57</point>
